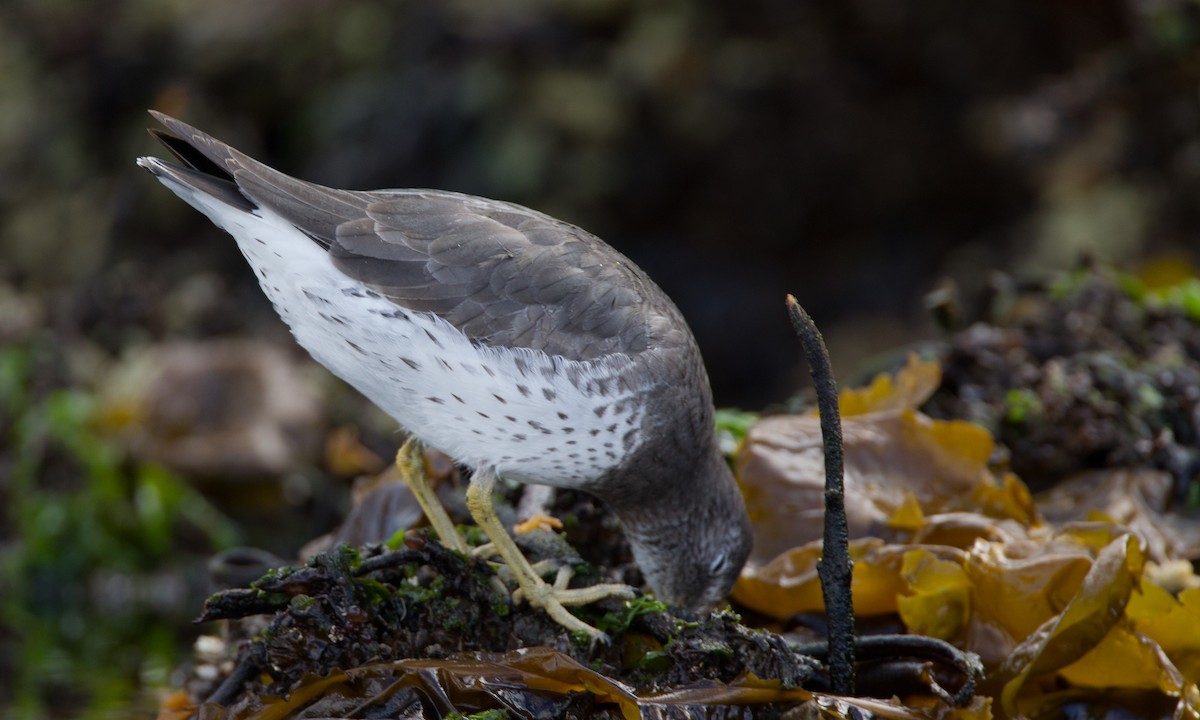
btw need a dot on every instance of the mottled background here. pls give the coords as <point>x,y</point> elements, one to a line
<point>848,152</point>
<point>852,152</point>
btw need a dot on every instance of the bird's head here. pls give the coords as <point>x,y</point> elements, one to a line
<point>691,545</point>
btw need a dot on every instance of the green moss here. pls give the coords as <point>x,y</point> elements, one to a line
<point>396,541</point>
<point>456,618</point>
<point>655,662</point>
<point>1149,398</point>
<point>474,535</point>
<point>732,426</point>
<point>419,594</point>
<point>373,591</point>
<point>714,647</point>
<point>618,622</point>
<point>483,715</point>
<point>1022,405</point>
<point>302,602</point>
<point>1183,297</point>
<point>81,509</point>
<point>1066,284</point>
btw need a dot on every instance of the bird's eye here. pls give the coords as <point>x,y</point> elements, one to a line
<point>718,564</point>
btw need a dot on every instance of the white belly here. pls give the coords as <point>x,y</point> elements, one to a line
<point>531,416</point>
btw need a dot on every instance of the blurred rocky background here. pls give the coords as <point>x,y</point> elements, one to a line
<point>851,153</point>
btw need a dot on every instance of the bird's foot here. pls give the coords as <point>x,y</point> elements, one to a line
<point>552,599</point>
<point>538,522</point>
<point>555,599</point>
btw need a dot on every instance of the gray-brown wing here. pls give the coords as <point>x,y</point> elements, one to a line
<point>501,273</point>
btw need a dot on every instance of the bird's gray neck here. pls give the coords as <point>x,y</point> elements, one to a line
<point>664,497</point>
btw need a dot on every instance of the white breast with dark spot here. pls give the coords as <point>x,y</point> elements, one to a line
<point>532,416</point>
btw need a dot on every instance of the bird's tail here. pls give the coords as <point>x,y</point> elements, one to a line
<point>216,169</point>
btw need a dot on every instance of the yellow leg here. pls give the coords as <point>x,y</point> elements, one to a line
<point>552,599</point>
<point>411,463</point>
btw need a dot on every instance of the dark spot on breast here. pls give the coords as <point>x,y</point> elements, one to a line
<point>611,455</point>
<point>519,437</point>
<point>600,411</point>
<point>352,292</point>
<point>411,363</point>
<point>260,241</point>
<point>436,400</point>
<point>568,430</point>
<point>522,367</point>
<point>540,427</point>
<point>594,432</point>
<point>502,400</point>
<point>608,445</point>
<point>510,418</point>
<point>631,419</point>
<point>562,415</point>
<point>443,363</point>
<point>477,431</point>
<point>549,394</point>
<point>628,439</point>
<point>573,456</point>
<point>488,370</point>
<point>523,390</point>
<point>339,319</point>
<point>483,415</point>
<point>458,398</point>
<point>611,428</point>
<point>572,442</point>
<point>356,347</point>
<point>433,339</point>
<point>373,294</point>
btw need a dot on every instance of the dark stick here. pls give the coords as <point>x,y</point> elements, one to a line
<point>834,567</point>
<point>250,664</point>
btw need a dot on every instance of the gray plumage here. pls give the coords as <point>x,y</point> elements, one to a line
<point>512,280</point>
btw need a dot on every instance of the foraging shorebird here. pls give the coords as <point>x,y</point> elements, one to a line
<point>520,345</point>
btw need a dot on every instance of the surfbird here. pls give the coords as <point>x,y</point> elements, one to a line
<point>520,345</point>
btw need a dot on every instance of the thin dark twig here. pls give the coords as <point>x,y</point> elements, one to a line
<point>834,568</point>
<point>249,665</point>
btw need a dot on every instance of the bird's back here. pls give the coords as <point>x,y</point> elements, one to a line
<point>496,333</point>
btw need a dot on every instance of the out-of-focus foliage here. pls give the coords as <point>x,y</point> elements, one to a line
<point>732,426</point>
<point>87,534</point>
<point>1065,614</point>
<point>1087,372</point>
